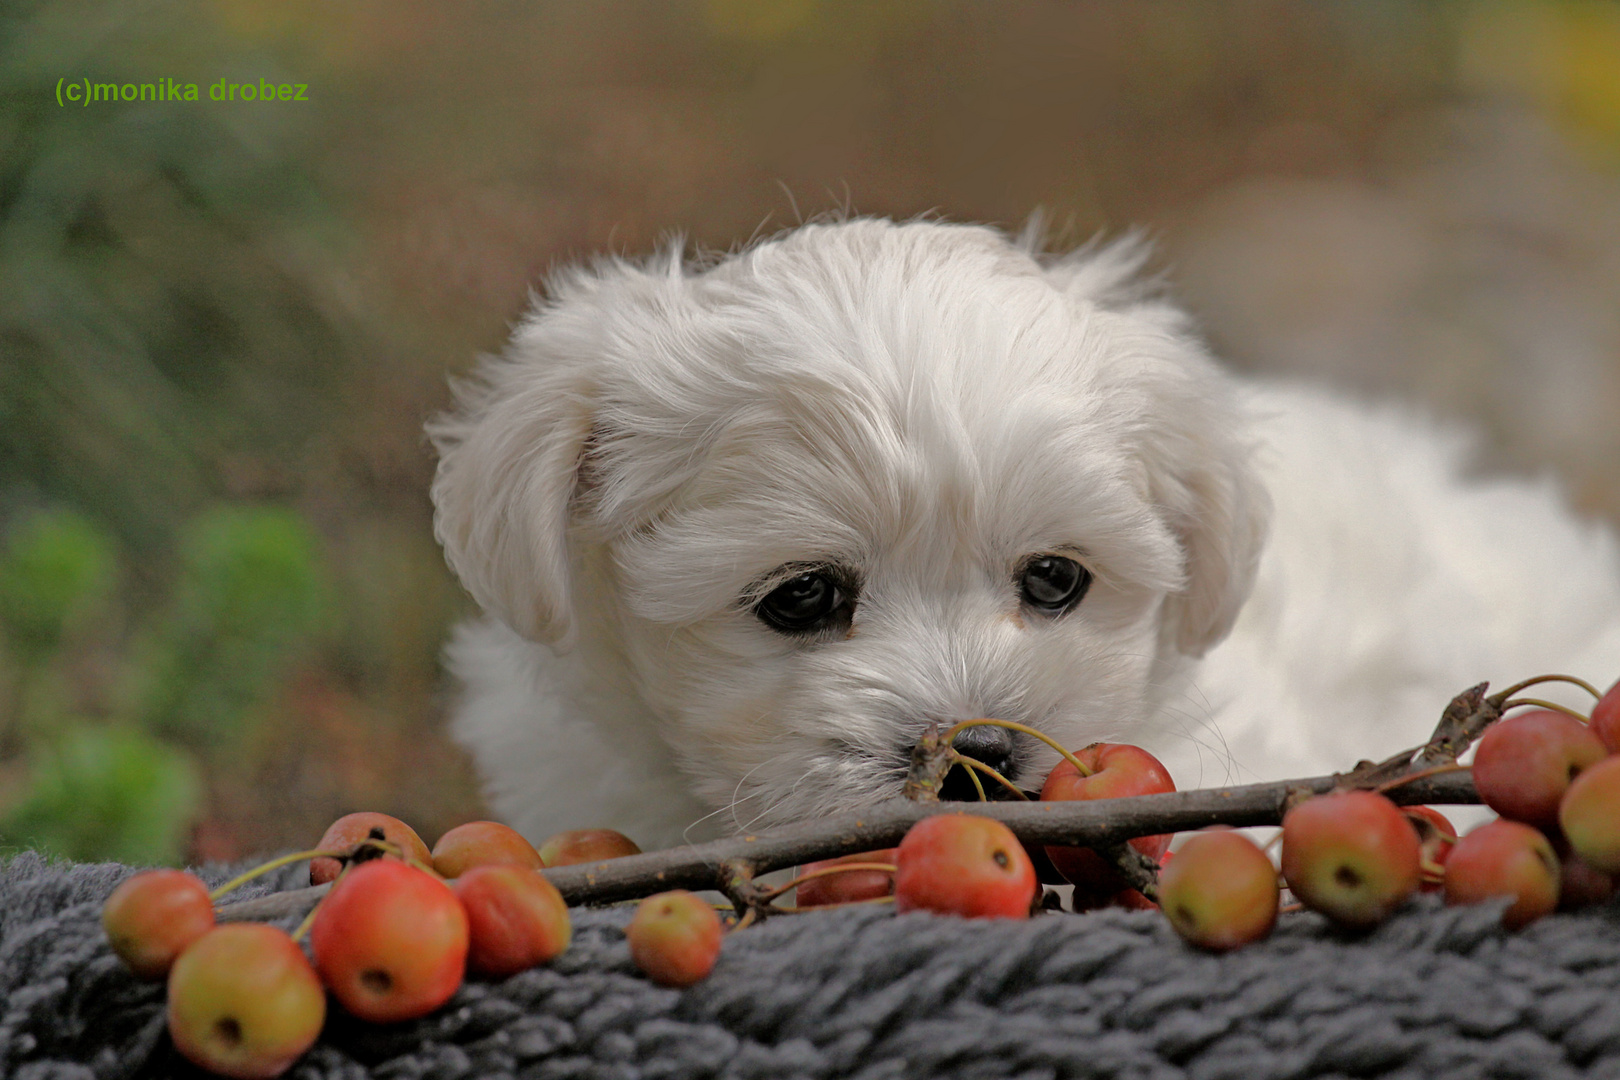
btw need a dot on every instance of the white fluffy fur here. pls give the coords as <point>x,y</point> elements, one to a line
<point>928,405</point>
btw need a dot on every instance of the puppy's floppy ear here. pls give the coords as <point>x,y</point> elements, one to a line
<point>1190,430</point>
<point>1200,475</point>
<point>509,460</point>
<point>514,453</point>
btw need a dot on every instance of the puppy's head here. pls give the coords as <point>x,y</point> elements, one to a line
<point>853,481</point>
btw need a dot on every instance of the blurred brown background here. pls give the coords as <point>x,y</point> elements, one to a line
<point>222,324</point>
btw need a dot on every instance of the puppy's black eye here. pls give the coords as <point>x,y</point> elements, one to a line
<point>811,601</point>
<point>1053,583</point>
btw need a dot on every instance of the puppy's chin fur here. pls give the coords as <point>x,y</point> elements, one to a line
<point>919,410</point>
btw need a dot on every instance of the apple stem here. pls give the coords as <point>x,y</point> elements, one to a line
<point>827,871</point>
<point>1503,695</point>
<point>1421,774</point>
<point>969,764</point>
<point>308,921</point>
<point>841,904</point>
<point>274,864</point>
<point>974,765</point>
<point>1540,704</point>
<point>1012,725</point>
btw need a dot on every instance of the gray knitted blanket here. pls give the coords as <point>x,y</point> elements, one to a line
<point>1434,993</point>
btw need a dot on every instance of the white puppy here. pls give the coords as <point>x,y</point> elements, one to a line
<point>744,530</point>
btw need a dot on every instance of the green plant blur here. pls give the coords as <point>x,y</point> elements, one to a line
<point>214,635</point>
<point>189,687</point>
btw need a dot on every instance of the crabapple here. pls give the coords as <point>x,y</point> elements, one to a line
<point>516,919</point>
<point>1525,763</point>
<point>151,918</point>
<point>1590,815</point>
<point>962,864</point>
<point>1351,855</point>
<point>390,941</point>
<point>482,843</point>
<point>244,1002</point>
<point>1126,899</point>
<point>1220,891</point>
<point>1606,718</point>
<point>1581,885</point>
<point>1436,835</point>
<point>1117,770</point>
<point>1505,858</point>
<point>849,886</point>
<point>674,938</point>
<point>350,829</point>
<point>586,845</point>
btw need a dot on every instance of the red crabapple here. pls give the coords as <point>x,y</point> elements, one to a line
<point>1505,858</point>
<point>1580,885</point>
<point>482,843</point>
<point>1436,836</point>
<point>674,938</point>
<point>1351,855</point>
<point>151,918</point>
<point>961,864</point>
<point>1606,718</point>
<point>516,919</point>
<point>390,941</point>
<point>244,1002</point>
<point>1220,891</point>
<point>1524,764</point>
<point>1117,770</point>
<point>586,845</point>
<point>1590,815</point>
<point>350,829</point>
<point>849,886</point>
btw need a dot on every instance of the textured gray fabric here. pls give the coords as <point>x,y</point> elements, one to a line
<point>1435,993</point>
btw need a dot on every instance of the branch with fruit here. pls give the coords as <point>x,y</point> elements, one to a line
<point>393,927</point>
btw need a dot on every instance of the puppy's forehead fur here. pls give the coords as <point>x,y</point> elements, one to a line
<point>934,394</point>
<point>871,388</point>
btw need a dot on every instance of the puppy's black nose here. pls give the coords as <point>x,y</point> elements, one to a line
<point>990,745</point>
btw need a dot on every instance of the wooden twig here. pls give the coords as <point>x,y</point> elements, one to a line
<point>1140,872</point>
<point>1463,721</point>
<point>930,761</point>
<point>275,906</point>
<point>1097,823</point>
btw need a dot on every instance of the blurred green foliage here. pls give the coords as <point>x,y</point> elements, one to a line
<point>169,350</point>
<point>57,570</point>
<point>249,591</point>
<point>107,792</point>
<point>249,597</point>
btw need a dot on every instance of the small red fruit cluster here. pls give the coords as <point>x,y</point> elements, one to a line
<point>1555,781</point>
<point>392,940</point>
<point>1352,855</point>
<point>962,864</point>
<point>402,924</point>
